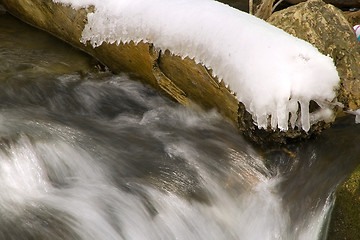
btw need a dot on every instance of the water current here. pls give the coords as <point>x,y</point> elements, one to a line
<point>85,154</point>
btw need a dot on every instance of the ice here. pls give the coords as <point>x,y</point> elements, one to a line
<point>356,113</point>
<point>305,118</point>
<point>271,72</point>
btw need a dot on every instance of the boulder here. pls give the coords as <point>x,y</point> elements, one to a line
<point>337,3</point>
<point>353,17</point>
<point>326,28</point>
<point>181,79</point>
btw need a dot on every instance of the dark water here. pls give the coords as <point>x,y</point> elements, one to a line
<point>90,155</point>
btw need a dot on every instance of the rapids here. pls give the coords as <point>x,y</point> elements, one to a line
<point>86,154</point>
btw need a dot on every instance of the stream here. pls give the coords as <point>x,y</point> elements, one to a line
<point>86,154</point>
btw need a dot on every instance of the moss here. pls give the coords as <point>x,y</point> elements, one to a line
<point>345,218</point>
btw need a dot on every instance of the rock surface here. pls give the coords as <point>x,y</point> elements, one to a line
<point>345,217</point>
<point>353,17</point>
<point>337,3</point>
<point>326,28</point>
<point>182,80</point>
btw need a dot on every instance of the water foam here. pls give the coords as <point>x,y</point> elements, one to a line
<point>168,173</point>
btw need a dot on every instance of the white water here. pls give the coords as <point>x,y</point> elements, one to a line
<point>96,156</point>
<point>153,171</point>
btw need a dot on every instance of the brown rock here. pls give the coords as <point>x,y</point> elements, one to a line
<point>337,3</point>
<point>326,27</point>
<point>353,17</point>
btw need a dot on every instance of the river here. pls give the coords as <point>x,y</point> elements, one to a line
<point>85,154</point>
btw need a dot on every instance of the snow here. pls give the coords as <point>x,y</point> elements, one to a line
<point>271,72</point>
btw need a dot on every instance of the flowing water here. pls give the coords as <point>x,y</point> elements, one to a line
<point>86,154</point>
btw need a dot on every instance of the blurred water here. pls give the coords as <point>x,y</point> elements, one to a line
<point>90,155</point>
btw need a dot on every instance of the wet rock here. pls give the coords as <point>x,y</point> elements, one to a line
<point>326,28</point>
<point>345,217</point>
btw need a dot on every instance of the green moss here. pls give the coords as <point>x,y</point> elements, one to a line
<point>345,218</point>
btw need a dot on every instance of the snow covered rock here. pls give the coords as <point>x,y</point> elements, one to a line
<point>180,48</point>
<point>326,28</point>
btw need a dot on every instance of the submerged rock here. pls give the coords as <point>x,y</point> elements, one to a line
<point>181,79</point>
<point>326,28</point>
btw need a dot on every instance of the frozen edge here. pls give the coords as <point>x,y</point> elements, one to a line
<point>199,39</point>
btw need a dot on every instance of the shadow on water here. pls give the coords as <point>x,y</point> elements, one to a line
<point>90,155</point>
<point>29,53</point>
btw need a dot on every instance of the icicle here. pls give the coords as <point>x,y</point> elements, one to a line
<point>274,121</point>
<point>356,113</point>
<point>305,119</point>
<point>261,120</point>
<point>357,119</point>
<point>282,117</point>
